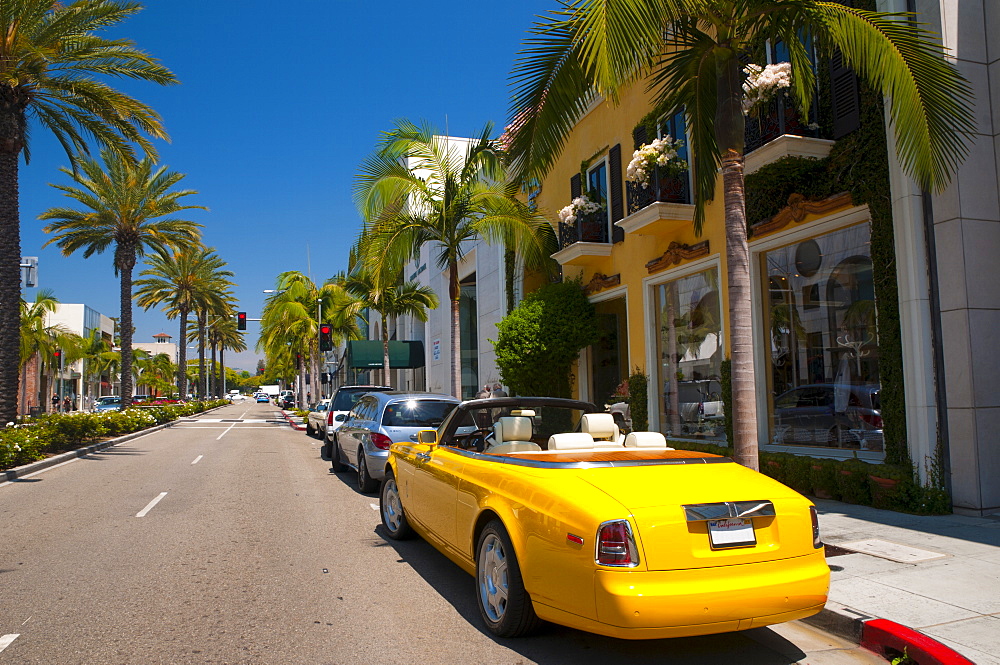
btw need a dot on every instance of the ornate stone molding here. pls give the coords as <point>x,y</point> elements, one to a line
<point>676,253</point>
<point>600,281</point>
<point>797,209</point>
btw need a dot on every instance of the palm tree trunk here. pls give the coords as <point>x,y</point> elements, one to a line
<point>385,353</point>
<point>213,386</point>
<point>202,376</point>
<point>182,357</point>
<point>125,260</point>
<point>454,294</point>
<point>740,321</point>
<point>222,370</point>
<point>10,262</point>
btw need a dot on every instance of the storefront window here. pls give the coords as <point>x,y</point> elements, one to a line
<point>690,347</point>
<point>823,351</point>
<point>608,356</point>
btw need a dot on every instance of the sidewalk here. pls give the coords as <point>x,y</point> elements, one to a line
<point>939,575</point>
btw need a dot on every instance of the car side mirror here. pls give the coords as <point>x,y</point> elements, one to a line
<point>427,436</point>
<point>340,417</point>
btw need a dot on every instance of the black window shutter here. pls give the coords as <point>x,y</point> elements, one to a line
<point>639,136</point>
<point>575,187</point>
<point>844,97</point>
<point>615,185</point>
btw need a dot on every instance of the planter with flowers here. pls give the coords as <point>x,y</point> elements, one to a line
<point>582,220</point>
<point>657,173</point>
<point>770,111</point>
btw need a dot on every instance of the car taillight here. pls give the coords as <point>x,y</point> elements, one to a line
<point>381,441</point>
<point>873,419</point>
<point>817,542</point>
<point>615,545</point>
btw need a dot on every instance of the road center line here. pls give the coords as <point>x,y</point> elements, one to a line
<point>6,640</point>
<point>226,432</point>
<point>149,506</point>
<point>197,459</point>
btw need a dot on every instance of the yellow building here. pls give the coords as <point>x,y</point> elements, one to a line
<point>660,290</point>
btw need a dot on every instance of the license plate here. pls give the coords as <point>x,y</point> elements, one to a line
<point>731,533</point>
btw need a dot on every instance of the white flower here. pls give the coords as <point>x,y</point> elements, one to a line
<point>763,83</point>
<point>661,152</point>
<point>580,204</point>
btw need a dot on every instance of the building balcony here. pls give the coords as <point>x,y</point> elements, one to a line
<point>664,206</point>
<point>585,239</point>
<point>662,188</point>
<point>781,132</point>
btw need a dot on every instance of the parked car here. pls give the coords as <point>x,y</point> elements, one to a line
<point>340,405</point>
<point>286,400</point>
<point>316,421</point>
<point>830,414</point>
<point>108,403</point>
<point>557,521</point>
<point>378,420</point>
<point>140,398</point>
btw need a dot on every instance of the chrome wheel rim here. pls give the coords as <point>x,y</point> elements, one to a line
<point>493,581</point>
<point>362,470</point>
<point>392,510</point>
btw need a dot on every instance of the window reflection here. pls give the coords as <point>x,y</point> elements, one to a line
<point>690,348</point>
<point>823,352</point>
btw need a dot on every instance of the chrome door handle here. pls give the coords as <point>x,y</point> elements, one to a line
<point>423,456</point>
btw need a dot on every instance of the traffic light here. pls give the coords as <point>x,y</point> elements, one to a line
<point>241,320</point>
<point>325,337</point>
<point>57,354</point>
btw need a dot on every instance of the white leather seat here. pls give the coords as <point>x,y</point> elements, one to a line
<point>571,441</point>
<point>512,434</point>
<point>602,427</point>
<point>646,440</point>
<point>514,447</point>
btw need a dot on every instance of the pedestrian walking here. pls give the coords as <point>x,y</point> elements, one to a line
<point>498,391</point>
<point>55,402</point>
<point>67,404</point>
<point>484,393</point>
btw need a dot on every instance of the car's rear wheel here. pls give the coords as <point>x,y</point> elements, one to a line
<point>309,429</point>
<point>393,517</point>
<point>503,602</point>
<point>336,464</point>
<point>366,484</point>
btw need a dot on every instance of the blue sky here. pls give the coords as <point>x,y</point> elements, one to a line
<point>274,113</point>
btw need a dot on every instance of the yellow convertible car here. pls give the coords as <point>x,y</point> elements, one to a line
<point>560,517</point>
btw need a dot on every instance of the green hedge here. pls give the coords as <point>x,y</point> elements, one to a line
<point>887,486</point>
<point>48,434</point>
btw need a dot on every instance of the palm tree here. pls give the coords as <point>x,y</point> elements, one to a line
<point>210,305</point>
<point>388,295</point>
<point>38,336</point>
<point>225,336</point>
<point>127,206</point>
<point>689,53</point>
<point>418,189</point>
<point>178,280</point>
<point>290,322</point>
<point>50,53</point>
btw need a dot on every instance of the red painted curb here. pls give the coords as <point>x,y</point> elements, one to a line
<point>880,635</point>
<point>291,421</point>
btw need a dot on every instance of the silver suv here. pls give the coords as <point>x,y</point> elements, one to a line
<point>376,422</point>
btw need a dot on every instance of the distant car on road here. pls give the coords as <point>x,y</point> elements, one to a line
<point>108,403</point>
<point>377,421</point>
<point>262,398</point>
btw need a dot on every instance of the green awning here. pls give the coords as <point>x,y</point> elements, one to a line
<point>367,354</point>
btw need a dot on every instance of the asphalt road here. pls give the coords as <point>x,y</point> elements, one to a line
<point>231,542</point>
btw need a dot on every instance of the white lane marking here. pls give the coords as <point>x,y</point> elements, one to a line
<point>197,459</point>
<point>374,506</point>
<point>150,505</point>
<point>6,640</point>
<point>226,432</point>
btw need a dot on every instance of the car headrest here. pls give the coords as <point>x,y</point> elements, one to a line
<point>599,425</point>
<point>512,428</point>
<point>571,441</point>
<point>646,440</point>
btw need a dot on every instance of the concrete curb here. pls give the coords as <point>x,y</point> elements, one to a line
<point>885,638</point>
<point>291,421</point>
<point>33,467</point>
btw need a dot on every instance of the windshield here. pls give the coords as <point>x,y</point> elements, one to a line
<point>346,399</point>
<point>416,413</point>
<point>109,400</point>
